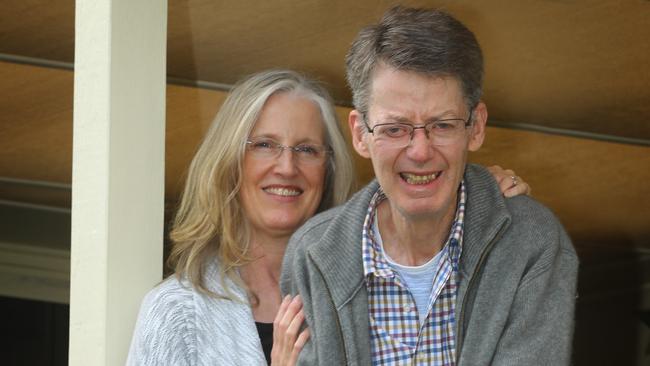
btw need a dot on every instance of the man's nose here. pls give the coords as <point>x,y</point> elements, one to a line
<point>420,147</point>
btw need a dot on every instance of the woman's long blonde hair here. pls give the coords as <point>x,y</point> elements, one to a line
<point>210,221</point>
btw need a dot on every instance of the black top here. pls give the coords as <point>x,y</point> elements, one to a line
<point>265,330</point>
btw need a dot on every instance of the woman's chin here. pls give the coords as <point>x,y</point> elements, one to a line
<point>281,227</point>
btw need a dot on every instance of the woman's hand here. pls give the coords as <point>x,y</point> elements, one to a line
<point>510,184</point>
<point>287,343</point>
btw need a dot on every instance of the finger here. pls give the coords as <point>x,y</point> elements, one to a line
<point>494,169</point>
<point>293,308</point>
<point>278,317</point>
<point>504,184</point>
<point>508,182</point>
<point>507,175</point>
<point>520,188</point>
<point>294,327</point>
<point>283,308</point>
<point>298,346</point>
<point>292,333</point>
<point>499,173</point>
<point>278,336</point>
<point>286,333</point>
<point>293,323</point>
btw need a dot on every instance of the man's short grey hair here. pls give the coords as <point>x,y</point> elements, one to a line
<point>426,41</point>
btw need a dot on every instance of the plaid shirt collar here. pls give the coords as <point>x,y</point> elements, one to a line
<point>374,261</point>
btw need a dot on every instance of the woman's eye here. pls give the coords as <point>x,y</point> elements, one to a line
<point>262,145</point>
<point>307,149</point>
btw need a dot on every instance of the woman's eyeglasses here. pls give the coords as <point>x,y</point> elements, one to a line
<point>266,149</point>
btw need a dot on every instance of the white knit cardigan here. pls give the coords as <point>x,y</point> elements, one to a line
<point>180,326</point>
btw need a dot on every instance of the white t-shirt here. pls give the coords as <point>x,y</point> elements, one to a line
<point>418,279</point>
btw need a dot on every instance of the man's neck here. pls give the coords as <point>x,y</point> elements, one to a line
<point>412,241</point>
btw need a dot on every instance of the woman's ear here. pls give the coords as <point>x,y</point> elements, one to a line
<point>358,132</point>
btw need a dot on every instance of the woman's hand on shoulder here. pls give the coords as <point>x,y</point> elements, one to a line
<point>510,184</point>
<point>288,340</point>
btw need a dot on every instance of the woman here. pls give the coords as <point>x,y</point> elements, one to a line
<point>272,158</point>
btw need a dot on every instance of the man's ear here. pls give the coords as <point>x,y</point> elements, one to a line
<point>477,134</point>
<point>358,132</point>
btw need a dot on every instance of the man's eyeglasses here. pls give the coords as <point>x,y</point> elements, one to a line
<point>440,132</point>
<point>267,149</point>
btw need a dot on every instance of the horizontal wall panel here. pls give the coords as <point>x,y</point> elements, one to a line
<point>599,189</point>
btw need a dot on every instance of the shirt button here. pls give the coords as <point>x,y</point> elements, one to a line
<point>407,308</point>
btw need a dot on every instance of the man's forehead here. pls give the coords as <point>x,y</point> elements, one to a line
<point>405,95</point>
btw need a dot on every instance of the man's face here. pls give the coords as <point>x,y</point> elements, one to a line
<point>420,180</point>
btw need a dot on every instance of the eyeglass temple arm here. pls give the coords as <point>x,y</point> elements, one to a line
<point>363,118</point>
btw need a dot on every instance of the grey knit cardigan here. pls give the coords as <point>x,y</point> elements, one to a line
<point>516,296</point>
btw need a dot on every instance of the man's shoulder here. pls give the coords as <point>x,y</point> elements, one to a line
<point>532,228</point>
<point>336,223</point>
<point>326,251</point>
<point>531,215</point>
<point>528,208</point>
<point>316,226</point>
<point>536,228</point>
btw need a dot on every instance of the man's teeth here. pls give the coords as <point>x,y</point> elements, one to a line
<point>418,179</point>
<point>282,191</point>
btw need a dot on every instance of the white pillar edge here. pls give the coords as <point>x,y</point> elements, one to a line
<point>118,172</point>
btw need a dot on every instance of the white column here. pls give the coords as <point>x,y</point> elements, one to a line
<point>118,172</point>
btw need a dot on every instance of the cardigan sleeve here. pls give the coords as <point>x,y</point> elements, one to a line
<point>295,280</point>
<point>165,331</point>
<point>539,329</point>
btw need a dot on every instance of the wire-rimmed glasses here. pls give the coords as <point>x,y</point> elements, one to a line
<point>439,132</point>
<point>305,153</point>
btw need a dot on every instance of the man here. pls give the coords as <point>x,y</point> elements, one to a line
<point>429,264</point>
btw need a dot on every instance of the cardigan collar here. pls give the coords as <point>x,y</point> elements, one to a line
<point>338,255</point>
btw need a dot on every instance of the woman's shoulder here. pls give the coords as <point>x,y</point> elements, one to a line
<point>164,329</point>
<point>173,295</point>
<point>180,325</point>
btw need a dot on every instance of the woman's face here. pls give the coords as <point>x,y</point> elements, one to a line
<point>279,193</point>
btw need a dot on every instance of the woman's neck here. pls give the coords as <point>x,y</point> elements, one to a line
<point>262,277</point>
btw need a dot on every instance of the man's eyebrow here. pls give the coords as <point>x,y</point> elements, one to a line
<point>394,118</point>
<point>448,114</point>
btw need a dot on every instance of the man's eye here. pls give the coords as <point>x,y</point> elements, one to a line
<point>306,149</point>
<point>443,126</point>
<point>395,131</point>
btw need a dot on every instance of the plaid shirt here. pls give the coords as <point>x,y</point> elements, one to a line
<point>397,336</point>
